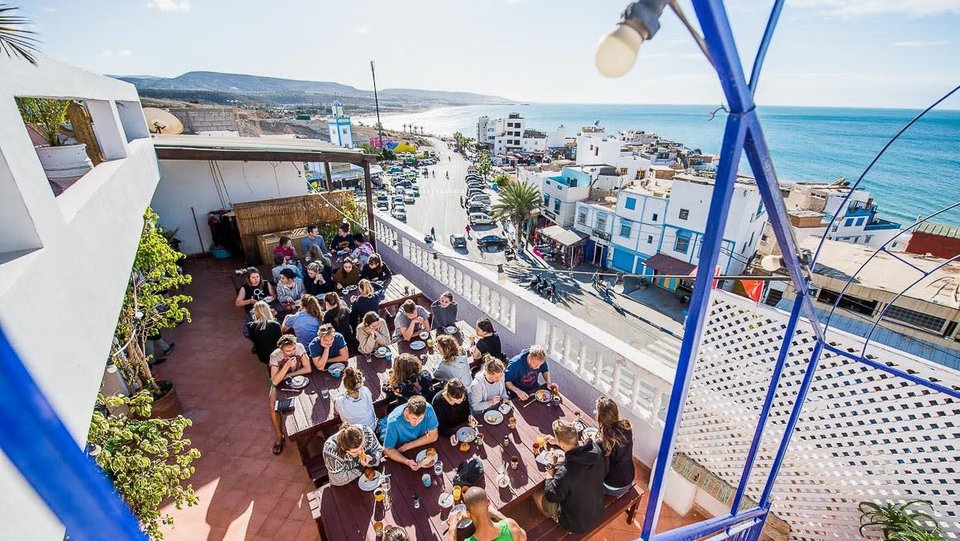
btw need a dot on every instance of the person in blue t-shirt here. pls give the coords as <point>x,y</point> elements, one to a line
<point>409,426</point>
<point>328,347</point>
<point>524,371</point>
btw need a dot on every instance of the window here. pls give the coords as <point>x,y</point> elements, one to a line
<point>546,200</point>
<point>655,216</point>
<point>601,221</point>
<point>625,227</point>
<point>848,222</point>
<point>649,239</point>
<point>684,214</point>
<point>834,228</point>
<point>847,302</point>
<point>867,239</point>
<point>556,205</point>
<point>682,243</point>
<point>631,203</point>
<point>860,221</point>
<point>582,217</point>
<point>917,319</point>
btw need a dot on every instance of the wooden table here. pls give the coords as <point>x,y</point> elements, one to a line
<point>348,513</point>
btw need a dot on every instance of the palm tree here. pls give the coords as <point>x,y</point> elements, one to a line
<point>458,140</point>
<point>519,202</point>
<point>14,39</point>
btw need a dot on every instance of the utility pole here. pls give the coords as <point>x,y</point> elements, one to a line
<point>376,102</point>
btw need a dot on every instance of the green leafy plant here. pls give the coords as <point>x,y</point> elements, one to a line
<point>150,304</point>
<point>483,163</point>
<point>15,40</point>
<point>502,180</point>
<point>899,521</point>
<point>45,115</point>
<point>147,460</point>
<point>519,202</point>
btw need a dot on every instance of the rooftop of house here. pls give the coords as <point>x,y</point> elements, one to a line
<point>939,230</point>
<point>195,147</point>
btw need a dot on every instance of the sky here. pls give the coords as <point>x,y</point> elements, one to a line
<point>839,53</point>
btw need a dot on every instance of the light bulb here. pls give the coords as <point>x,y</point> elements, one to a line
<point>617,51</point>
<point>771,263</point>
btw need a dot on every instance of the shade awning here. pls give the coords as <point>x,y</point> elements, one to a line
<point>665,264</point>
<point>562,235</point>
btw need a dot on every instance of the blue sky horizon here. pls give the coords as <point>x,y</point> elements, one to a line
<point>872,54</point>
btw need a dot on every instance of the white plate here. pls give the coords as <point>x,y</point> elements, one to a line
<point>368,485</point>
<point>426,461</point>
<point>452,329</point>
<point>466,434</point>
<point>336,369</point>
<point>591,432</point>
<point>504,408</point>
<point>544,459</point>
<point>298,382</point>
<point>459,508</point>
<point>445,500</point>
<point>424,335</point>
<point>417,345</point>
<point>268,299</point>
<point>380,352</point>
<point>493,417</point>
<point>542,395</point>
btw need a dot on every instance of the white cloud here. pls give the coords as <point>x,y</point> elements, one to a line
<point>920,43</point>
<point>363,30</point>
<point>169,6</point>
<point>847,8</point>
<point>124,53</point>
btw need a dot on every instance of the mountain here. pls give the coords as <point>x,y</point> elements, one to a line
<point>276,89</point>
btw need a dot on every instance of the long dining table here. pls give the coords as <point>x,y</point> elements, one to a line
<point>347,512</point>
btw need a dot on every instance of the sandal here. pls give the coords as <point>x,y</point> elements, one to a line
<point>278,447</point>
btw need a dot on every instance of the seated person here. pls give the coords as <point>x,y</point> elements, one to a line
<point>350,451</point>
<point>263,331</point>
<point>376,270</point>
<point>312,239</point>
<point>409,426</point>
<point>444,311</point>
<point>616,441</point>
<point>487,389</point>
<point>454,364</point>
<point>337,313</point>
<point>487,521</point>
<point>395,533</point>
<point>408,378</point>
<point>347,275</point>
<point>524,371</point>
<point>361,249</point>
<point>318,280</point>
<point>253,288</point>
<point>372,333</point>
<point>573,492</point>
<point>280,263</point>
<point>289,359</point>
<point>306,322</point>
<point>285,248</point>
<point>411,319</point>
<point>488,342</point>
<point>451,407</point>
<point>366,299</point>
<point>327,348</point>
<point>355,405</point>
<point>341,241</point>
<point>289,288</point>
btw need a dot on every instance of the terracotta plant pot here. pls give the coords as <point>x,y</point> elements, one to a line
<point>167,406</point>
<point>64,164</point>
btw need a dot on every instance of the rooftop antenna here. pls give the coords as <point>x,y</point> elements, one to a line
<point>376,102</point>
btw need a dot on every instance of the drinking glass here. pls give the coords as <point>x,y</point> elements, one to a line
<point>514,462</point>
<point>325,393</point>
<point>512,422</point>
<point>479,439</point>
<point>379,494</point>
<point>438,468</point>
<point>456,493</point>
<point>378,528</point>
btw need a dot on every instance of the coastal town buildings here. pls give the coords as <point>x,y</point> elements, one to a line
<point>341,130</point>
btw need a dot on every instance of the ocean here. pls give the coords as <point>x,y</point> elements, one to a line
<point>918,175</point>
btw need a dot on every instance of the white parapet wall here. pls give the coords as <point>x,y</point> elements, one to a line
<point>585,360</point>
<point>64,261</point>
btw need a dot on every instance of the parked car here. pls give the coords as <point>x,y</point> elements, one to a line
<point>472,192</point>
<point>398,198</point>
<point>383,205</point>
<point>495,241</point>
<point>479,198</point>
<point>458,241</point>
<point>400,213</point>
<point>480,218</point>
<point>476,184</point>
<point>408,197</point>
<point>415,189</point>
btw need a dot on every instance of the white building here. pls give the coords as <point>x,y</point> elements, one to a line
<point>638,227</point>
<point>600,148</point>
<point>341,132</point>
<point>533,141</point>
<point>557,138</point>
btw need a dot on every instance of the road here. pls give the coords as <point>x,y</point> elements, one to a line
<point>439,207</point>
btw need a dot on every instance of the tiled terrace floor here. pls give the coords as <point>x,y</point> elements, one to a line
<point>245,492</point>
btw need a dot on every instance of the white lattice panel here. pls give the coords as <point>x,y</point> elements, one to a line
<point>863,434</point>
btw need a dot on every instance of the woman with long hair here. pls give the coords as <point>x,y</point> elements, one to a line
<point>451,407</point>
<point>253,288</point>
<point>372,333</point>
<point>454,363</point>
<point>306,321</point>
<point>616,440</point>
<point>355,405</point>
<point>349,452</point>
<point>347,275</point>
<point>289,359</point>
<point>408,378</point>
<point>337,314</point>
<point>263,331</point>
<point>367,299</point>
<point>318,280</point>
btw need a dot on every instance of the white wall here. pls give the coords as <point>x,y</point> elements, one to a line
<point>186,184</point>
<point>59,303</point>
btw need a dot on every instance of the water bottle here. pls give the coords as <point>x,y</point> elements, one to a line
<point>416,501</point>
<point>427,480</point>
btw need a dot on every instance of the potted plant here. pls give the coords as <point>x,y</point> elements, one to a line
<point>899,521</point>
<point>150,305</point>
<point>63,163</point>
<point>147,459</point>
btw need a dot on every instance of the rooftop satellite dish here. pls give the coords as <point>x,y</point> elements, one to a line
<point>160,121</point>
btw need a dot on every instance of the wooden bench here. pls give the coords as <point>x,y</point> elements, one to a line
<point>628,503</point>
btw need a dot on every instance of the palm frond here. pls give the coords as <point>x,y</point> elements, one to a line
<point>15,40</point>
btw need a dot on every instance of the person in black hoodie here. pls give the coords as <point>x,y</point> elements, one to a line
<point>616,440</point>
<point>573,492</point>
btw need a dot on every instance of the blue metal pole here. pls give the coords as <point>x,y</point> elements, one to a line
<point>711,526</point>
<point>791,424</point>
<point>767,404</point>
<point>764,45</point>
<point>39,445</point>
<point>699,306</point>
